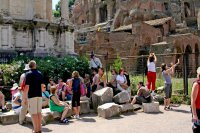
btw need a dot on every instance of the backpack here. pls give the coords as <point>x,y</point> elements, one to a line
<point>76,82</point>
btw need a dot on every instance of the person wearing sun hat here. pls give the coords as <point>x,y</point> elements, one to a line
<point>195,103</point>
<point>24,109</point>
<point>16,98</point>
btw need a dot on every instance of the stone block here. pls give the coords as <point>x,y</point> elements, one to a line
<point>9,118</point>
<point>101,97</point>
<point>84,98</point>
<point>108,110</point>
<point>151,107</point>
<point>122,97</point>
<point>126,107</point>
<point>137,106</point>
<point>158,98</point>
<point>85,107</point>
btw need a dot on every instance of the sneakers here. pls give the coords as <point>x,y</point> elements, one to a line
<point>4,110</point>
<point>65,121</point>
<point>153,93</point>
<point>76,117</point>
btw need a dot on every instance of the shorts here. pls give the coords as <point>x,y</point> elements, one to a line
<point>18,110</point>
<point>168,91</point>
<point>76,99</point>
<point>94,88</point>
<point>140,99</point>
<point>35,105</point>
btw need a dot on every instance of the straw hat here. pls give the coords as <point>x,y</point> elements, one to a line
<point>15,86</point>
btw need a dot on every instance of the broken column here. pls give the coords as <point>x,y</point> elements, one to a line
<point>198,19</point>
<point>64,5</point>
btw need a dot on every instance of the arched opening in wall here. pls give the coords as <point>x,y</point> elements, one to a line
<point>103,13</point>
<point>178,69</point>
<point>188,59</point>
<point>142,61</point>
<point>197,56</point>
<point>187,9</point>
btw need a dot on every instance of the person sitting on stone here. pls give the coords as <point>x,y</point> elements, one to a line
<point>143,95</point>
<point>45,97</point>
<point>101,81</point>
<point>94,80</point>
<point>69,89</point>
<point>113,81</point>
<point>87,84</point>
<point>16,99</point>
<point>95,62</point>
<point>51,83</point>
<point>122,82</point>
<point>2,102</point>
<point>56,105</point>
<point>61,89</point>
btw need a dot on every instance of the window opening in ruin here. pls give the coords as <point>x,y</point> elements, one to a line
<point>188,59</point>
<point>187,10</point>
<point>103,13</point>
<point>142,61</point>
<point>166,5</point>
<point>197,55</point>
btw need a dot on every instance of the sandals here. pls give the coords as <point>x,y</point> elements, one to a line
<point>65,121</point>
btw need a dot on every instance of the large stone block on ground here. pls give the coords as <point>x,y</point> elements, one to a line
<point>158,98</point>
<point>84,98</point>
<point>137,106</point>
<point>108,110</point>
<point>85,107</point>
<point>126,107</point>
<point>122,97</point>
<point>151,107</point>
<point>9,118</point>
<point>102,96</point>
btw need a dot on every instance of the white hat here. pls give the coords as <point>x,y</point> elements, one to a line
<point>198,70</point>
<point>26,67</point>
<point>15,86</point>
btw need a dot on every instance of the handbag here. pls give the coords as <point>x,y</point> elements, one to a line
<point>82,87</point>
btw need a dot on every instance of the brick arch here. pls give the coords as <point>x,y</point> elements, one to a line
<point>197,55</point>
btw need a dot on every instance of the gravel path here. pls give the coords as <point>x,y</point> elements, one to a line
<point>177,121</point>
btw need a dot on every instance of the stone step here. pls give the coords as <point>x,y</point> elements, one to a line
<point>9,118</point>
<point>127,108</point>
<point>151,107</point>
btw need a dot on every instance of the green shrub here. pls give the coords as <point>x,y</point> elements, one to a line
<point>117,64</point>
<point>49,66</point>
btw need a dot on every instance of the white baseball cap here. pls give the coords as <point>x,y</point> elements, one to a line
<point>26,67</point>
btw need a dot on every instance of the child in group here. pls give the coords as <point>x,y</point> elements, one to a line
<point>76,83</point>
<point>56,105</point>
<point>151,75</point>
<point>166,73</point>
<point>16,98</point>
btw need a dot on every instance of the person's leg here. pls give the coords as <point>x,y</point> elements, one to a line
<point>64,113</point>
<point>34,118</point>
<point>134,100</point>
<point>39,114</point>
<point>63,95</point>
<point>149,80</point>
<point>45,103</point>
<point>2,99</point>
<point>75,110</point>
<point>34,113</point>
<point>153,80</point>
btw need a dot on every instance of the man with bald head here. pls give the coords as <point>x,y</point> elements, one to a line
<point>33,90</point>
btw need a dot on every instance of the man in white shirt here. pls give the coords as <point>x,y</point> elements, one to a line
<point>95,62</point>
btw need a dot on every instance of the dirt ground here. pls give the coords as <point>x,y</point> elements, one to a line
<point>176,121</point>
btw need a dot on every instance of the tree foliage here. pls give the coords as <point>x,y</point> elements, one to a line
<point>117,64</point>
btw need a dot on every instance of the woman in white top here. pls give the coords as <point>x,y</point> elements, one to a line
<point>122,82</point>
<point>151,75</point>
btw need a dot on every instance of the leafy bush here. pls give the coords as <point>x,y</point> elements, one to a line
<point>117,64</point>
<point>49,66</point>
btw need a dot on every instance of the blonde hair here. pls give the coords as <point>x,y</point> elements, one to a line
<point>75,74</point>
<point>32,64</point>
<point>53,89</point>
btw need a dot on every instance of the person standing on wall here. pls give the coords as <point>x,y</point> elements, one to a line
<point>195,103</point>
<point>95,63</point>
<point>24,108</point>
<point>33,95</point>
<point>151,75</point>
